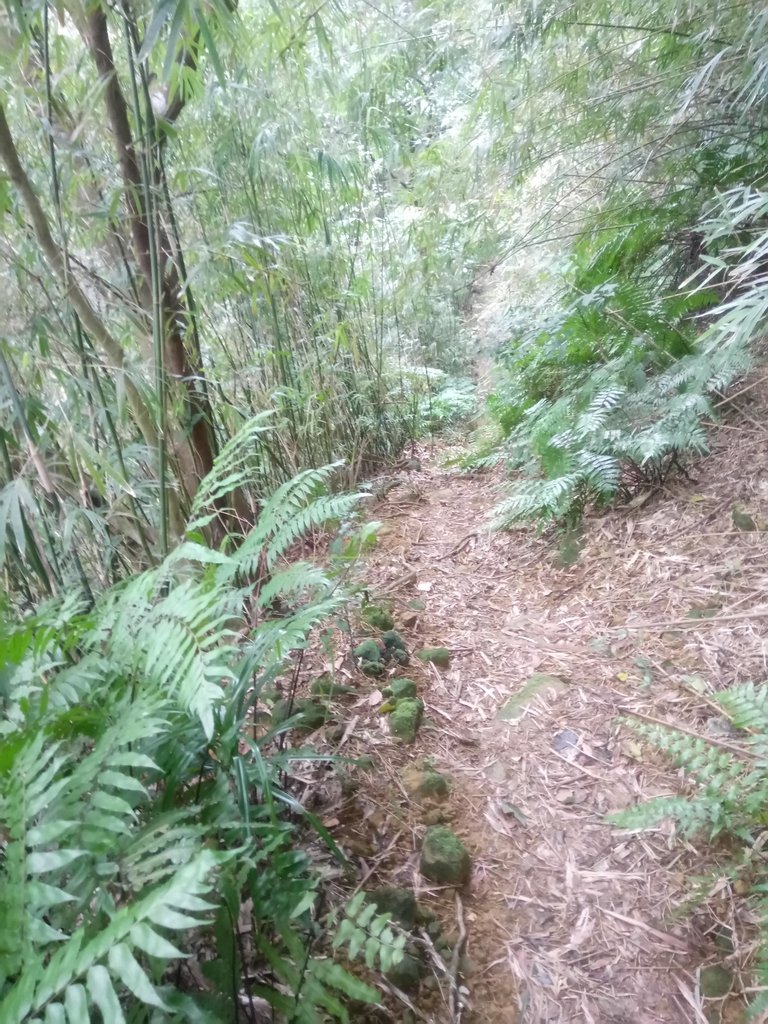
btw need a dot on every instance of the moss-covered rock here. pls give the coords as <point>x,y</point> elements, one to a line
<point>324,686</point>
<point>311,713</point>
<point>439,656</point>
<point>423,782</point>
<point>407,974</point>
<point>715,981</point>
<point>368,650</point>
<point>400,903</point>
<point>393,641</point>
<point>372,668</point>
<point>742,520</point>
<point>400,688</point>
<point>401,657</point>
<point>405,719</point>
<point>377,617</point>
<point>444,858</point>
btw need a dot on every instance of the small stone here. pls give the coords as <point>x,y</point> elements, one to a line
<point>407,974</point>
<point>400,688</point>
<point>401,657</point>
<point>424,782</point>
<point>724,938</point>
<point>433,929</point>
<point>392,640</point>
<point>496,772</point>
<point>400,903</point>
<point>312,714</point>
<point>324,686</point>
<point>439,656</point>
<point>377,617</point>
<point>372,668</point>
<point>435,816</point>
<point>742,520</point>
<point>444,858</point>
<point>565,740</point>
<point>368,650</point>
<point>405,719</point>
<point>715,982</point>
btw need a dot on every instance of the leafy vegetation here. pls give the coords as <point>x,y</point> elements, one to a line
<point>726,798</point>
<point>138,804</point>
<point>653,165</point>
<point>240,247</point>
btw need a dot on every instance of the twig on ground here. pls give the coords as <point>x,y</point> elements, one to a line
<point>464,543</point>
<point>714,620</point>
<point>458,1001</point>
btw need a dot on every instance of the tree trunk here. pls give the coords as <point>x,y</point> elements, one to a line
<point>194,443</point>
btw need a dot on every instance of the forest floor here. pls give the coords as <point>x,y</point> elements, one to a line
<point>567,918</point>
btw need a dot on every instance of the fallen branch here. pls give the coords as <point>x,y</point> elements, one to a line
<point>758,613</point>
<point>457,1000</point>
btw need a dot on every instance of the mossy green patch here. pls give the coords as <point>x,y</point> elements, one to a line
<point>406,975</point>
<point>439,656</point>
<point>377,617</point>
<point>444,858</point>
<point>324,686</point>
<point>400,688</point>
<point>372,668</point>
<point>392,640</point>
<point>368,650</point>
<point>423,782</point>
<point>311,714</point>
<point>539,682</point>
<point>400,903</point>
<point>405,719</point>
<point>715,981</point>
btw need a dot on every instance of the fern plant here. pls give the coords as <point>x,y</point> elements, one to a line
<point>726,794</point>
<point>610,397</point>
<point>137,807</point>
<point>362,930</point>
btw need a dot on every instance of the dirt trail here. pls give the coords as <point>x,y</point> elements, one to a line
<point>567,919</point>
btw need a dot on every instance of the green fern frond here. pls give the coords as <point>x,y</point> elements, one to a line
<point>90,974</point>
<point>746,705</point>
<point>229,472</point>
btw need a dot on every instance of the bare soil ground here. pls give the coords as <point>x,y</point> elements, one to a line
<point>567,919</point>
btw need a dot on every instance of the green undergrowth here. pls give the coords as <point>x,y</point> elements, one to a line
<point>143,822</point>
<point>610,394</point>
<point>723,804</point>
<point>642,289</point>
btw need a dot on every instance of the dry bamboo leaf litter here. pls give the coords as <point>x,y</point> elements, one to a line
<point>567,919</point>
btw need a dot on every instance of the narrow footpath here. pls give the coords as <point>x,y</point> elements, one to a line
<point>565,919</point>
